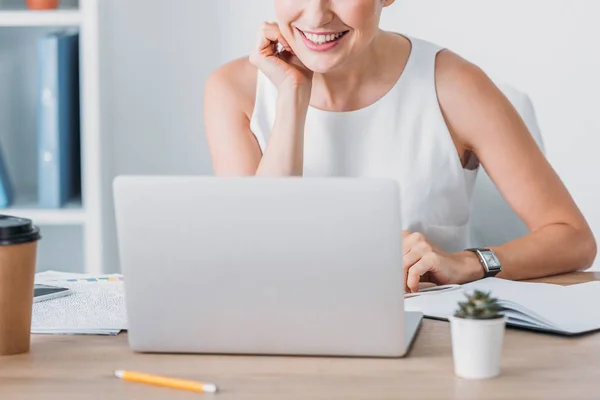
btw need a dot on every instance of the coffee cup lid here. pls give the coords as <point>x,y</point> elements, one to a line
<point>15,230</point>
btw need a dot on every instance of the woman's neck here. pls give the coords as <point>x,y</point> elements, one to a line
<point>367,79</point>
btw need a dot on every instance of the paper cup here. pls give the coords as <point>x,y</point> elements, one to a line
<point>18,250</point>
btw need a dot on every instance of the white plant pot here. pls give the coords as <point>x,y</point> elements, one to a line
<point>477,346</point>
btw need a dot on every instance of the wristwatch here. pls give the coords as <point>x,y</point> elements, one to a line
<point>488,260</point>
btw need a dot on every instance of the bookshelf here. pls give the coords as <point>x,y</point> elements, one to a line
<point>26,18</point>
<point>26,206</point>
<point>72,236</point>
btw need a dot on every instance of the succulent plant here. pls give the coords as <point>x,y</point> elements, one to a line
<point>480,305</point>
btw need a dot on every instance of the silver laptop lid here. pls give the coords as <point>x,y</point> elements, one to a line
<point>262,265</point>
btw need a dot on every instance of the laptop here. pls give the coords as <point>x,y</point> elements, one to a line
<point>270,266</point>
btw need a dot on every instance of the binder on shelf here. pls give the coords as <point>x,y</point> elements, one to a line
<point>59,164</point>
<point>6,189</point>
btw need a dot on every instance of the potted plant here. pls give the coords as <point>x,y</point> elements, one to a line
<point>477,330</point>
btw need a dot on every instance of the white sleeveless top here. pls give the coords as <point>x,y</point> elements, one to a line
<point>402,136</point>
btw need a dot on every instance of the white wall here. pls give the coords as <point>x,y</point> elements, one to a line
<point>157,54</point>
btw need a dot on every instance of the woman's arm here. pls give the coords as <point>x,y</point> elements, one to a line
<point>482,120</point>
<point>233,147</point>
<point>285,150</point>
<point>229,101</point>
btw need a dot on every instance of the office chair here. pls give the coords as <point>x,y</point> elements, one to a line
<point>492,221</point>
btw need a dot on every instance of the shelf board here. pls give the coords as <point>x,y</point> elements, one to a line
<point>28,18</point>
<point>26,207</point>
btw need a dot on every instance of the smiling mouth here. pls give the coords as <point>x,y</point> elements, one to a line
<point>323,38</point>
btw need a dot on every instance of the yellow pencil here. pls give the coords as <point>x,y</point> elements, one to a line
<point>140,377</point>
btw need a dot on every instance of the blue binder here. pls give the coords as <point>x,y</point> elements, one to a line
<point>6,189</point>
<point>59,176</point>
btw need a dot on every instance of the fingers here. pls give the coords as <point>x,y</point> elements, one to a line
<point>416,252</point>
<point>285,44</point>
<point>412,257</point>
<point>266,56</point>
<point>405,246</point>
<point>264,45</point>
<point>414,239</point>
<point>279,65</point>
<point>424,265</point>
<point>406,250</point>
<point>268,38</point>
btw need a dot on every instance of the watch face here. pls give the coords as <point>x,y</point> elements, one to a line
<point>490,259</point>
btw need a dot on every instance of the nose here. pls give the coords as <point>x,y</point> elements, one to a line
<point>318,13</point>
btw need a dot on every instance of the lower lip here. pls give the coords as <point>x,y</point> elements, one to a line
<point>321,47</point>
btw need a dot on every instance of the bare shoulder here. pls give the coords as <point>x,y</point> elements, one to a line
<point>460,80</point>
<point>468,97</point>
<point>233,84</point>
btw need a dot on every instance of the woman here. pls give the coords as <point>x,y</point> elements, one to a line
<point>345,98</point>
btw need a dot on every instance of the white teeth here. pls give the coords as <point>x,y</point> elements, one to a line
<point>320,39</point>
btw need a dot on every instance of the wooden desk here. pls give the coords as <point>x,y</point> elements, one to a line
<point>534,366</point>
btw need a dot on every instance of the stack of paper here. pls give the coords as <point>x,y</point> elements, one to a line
<point>96,307</point>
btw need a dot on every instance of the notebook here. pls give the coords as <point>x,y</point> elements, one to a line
<point>564,310</point>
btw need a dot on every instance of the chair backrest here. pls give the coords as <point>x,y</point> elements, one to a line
<point>492,220</point>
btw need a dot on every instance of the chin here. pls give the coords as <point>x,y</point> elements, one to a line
<point>321,65</point>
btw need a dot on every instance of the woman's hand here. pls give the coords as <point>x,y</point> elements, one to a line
<point>425,262</point>
<point>281,68</point>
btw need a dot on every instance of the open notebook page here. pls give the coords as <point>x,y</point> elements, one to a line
<point>561,308</point>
